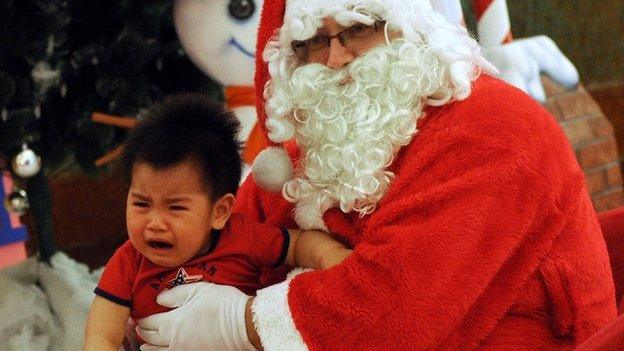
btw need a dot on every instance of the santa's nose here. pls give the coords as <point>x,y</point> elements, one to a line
<point>338,55</point>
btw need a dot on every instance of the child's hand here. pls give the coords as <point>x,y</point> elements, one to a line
<point>316,249</point>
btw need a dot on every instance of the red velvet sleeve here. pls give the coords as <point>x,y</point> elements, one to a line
<point>268,244</point>
<point>248,200</point>
<point>262,206</point>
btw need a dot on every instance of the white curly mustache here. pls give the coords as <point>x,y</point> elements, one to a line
<point>349,124</point>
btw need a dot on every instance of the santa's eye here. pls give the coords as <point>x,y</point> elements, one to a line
<point>241,9</point>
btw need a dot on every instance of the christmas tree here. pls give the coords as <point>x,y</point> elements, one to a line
<point>63,60</point>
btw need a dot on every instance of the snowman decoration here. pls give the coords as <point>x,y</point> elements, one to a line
<point>219,36</point>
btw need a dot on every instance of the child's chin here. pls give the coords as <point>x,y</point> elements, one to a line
<point>168,262</point>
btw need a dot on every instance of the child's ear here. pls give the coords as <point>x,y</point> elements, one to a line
<point>221,211</point>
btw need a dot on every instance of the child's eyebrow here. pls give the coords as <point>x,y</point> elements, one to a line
<point>177,199</point>
<point>138,195</point>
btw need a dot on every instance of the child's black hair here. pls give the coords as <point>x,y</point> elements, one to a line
<point>188,127</point>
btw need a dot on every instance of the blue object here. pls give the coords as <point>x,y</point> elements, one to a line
<point>8,234</point>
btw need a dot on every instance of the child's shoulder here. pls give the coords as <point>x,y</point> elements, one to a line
<point>126,252</point>
<point>124,262</point>
<point>240,221</point>
<point>241,225</point>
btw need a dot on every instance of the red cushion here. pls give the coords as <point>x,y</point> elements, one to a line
<point>612,223</point>
<point>611,337</point>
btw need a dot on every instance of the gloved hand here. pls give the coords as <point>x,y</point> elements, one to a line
<point>206,317</point>
<point>521,61</point>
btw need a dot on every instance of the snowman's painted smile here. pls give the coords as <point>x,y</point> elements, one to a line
<point>237,45</point>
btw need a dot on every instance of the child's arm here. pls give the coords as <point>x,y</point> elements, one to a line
<point>106,325</point>
<point>314,249</point>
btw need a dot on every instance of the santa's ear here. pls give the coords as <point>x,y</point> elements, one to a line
<point>221,211</point>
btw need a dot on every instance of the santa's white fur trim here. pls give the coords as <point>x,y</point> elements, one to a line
<point>272,168</point>
<point>273,319</point>
<point>302,16</point>
<point>309,215</point>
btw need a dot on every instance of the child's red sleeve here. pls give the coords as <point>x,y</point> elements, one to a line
<point>116,282</point>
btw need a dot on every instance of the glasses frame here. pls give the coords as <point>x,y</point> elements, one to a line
<point>300,47</point>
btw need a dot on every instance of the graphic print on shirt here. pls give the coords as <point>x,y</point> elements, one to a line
<point>183,275</point>
<point>184,278</point>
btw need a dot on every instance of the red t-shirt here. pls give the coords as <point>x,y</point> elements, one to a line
<point>235,257</point>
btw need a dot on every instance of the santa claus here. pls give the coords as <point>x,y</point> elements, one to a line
<point>465,206</point>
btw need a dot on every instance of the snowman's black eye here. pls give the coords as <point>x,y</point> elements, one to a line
<point>241,9</point>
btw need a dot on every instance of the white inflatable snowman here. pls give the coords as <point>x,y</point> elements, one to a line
<point>219,36</point>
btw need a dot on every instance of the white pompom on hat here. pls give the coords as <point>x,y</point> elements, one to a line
<point>272,168</point>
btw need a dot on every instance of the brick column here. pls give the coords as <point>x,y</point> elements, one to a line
<point>593,140</point>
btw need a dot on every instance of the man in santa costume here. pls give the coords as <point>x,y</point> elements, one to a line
<point>467,211</point>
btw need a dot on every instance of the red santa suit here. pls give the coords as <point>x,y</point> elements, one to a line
<point>486,239</point>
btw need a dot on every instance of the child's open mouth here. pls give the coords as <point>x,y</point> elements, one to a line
<point>161,245</point>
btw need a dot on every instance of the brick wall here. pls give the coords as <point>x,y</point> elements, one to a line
<point>593,140</point>
<point>611,101</point>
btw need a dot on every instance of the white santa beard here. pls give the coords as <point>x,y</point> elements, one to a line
<point>350,124</point>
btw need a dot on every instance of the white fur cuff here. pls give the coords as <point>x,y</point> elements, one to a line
<point>273,319</point>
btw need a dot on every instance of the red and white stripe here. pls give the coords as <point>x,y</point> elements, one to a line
<point>493,22</point>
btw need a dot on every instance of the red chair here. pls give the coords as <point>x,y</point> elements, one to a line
<point>612,223</point>
<point>611,337</point>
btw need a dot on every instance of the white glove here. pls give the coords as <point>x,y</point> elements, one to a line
<point>206,317</point>
<point>521,62</point>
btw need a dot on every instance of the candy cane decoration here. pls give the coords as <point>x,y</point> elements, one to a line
<point>493,24</point>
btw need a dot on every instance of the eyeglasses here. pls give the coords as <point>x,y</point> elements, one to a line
<point>355,38</point>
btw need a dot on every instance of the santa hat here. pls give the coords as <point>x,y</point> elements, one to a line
<point>272,168</point>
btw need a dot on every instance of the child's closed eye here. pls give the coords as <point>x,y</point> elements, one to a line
<point>178,208</point>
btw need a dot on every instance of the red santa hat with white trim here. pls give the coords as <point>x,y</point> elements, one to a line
<point>272,167</point>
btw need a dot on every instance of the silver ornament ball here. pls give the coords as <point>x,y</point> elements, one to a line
<point>27,163</point>
<point>17,202</point>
